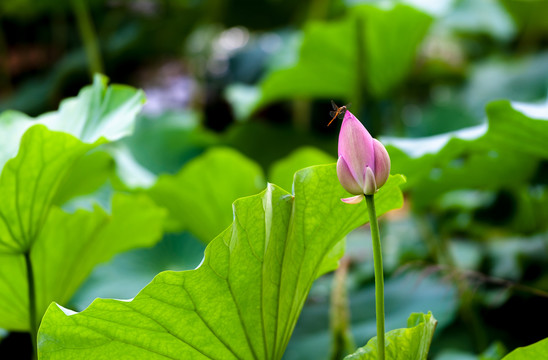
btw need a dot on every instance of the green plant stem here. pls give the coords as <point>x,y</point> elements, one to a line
<point>32,301</point>
<point>318,10</point>
<point>5,76</point>
<point>89,38</point>
<point>301,115</point>
<point>361,87</point>
<point>379,279</point>
<point>363,101</point>
<point>339,312</point>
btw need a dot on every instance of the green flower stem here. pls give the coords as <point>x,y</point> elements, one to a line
<point>318,10</point>
<point>339,313</point>
<point>361,88</point>
<point>379,280</point>
<point>301,115</point>
<point>89,38</point>
<point>32,301</point>
<point>5,76</point>
<point>363,102</point>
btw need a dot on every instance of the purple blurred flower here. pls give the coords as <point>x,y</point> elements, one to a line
<point>363,165</point>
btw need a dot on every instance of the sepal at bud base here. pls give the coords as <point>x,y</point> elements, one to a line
<point>354,199</point>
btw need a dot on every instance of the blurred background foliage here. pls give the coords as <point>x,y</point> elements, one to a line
<point>238,94</point>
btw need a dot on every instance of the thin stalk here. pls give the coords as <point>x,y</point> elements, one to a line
<point>301,115</point>
<point>379,279</point>
<point>5,76</point>
<point>361,87</point>
<point>89,38</point>
<point>363,101</point>
<point>318,10</point>
<point>32,302</point>
<point>59,30</point>
<point>339,312</point>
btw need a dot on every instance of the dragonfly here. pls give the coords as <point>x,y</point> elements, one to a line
<point>338,111</point>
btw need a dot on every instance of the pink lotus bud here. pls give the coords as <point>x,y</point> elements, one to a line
<point>363,165</point>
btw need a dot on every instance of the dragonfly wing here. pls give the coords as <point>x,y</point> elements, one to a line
<point>335,107</point>
<point>332,114</point>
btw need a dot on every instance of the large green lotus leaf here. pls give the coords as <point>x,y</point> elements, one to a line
<point>282,171</point>
<point>411,343</point>
<point>329,61</point>
<point>67,249</point>
<point>200,195</point>
<point>244,299</point>
<point>504,152</point>
<point>537,350</point>
<point>29,181</point>
<point>98,111</point>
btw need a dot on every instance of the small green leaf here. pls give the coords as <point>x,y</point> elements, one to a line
<point>203,191</point>
<point>243,301</point>
<point>67,248</point>
<point>537,350</point>
<point>412,343</point>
